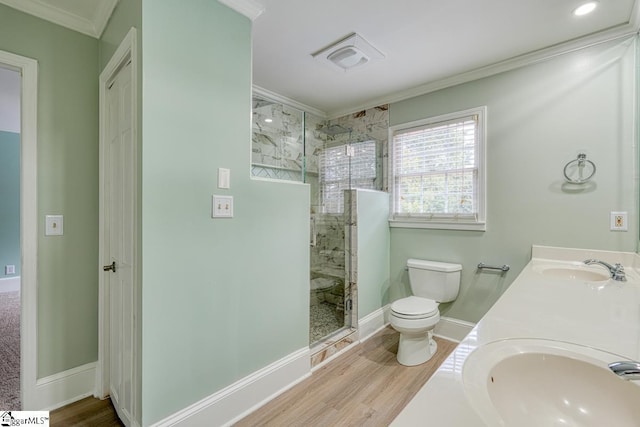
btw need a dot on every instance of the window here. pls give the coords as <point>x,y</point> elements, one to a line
<point>359,158</point>
<point>438,172</point>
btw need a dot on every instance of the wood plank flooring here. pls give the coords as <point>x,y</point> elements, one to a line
<point>363,387</point>
<point>88,412</point>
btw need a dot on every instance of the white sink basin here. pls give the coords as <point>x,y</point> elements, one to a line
<point>577,272</point>
<point>530,382</point>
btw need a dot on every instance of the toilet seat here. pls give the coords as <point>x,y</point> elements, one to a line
<point>414,308</point>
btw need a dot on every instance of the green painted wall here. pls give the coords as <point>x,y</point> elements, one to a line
<point>127,14</point>
<point>67,184</point>
<point>373,251</point>
<point>10,206</point>
<point>539,118</point>
<point>221,298</point>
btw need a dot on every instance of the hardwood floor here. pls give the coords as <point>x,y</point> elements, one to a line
<point>89,412</point>
<point>363,387</point>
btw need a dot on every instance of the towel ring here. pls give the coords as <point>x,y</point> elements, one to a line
<point>585,170</point>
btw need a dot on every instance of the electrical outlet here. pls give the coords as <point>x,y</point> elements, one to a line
<point>54,225</point>
<point>9,269</point>
<point>618,221</point>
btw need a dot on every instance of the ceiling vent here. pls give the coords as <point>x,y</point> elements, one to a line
<point>348,53</point>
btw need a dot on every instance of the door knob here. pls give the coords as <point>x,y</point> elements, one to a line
<point>111,267</point>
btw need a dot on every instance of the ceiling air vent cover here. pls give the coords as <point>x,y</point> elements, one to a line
<point>348,53</point>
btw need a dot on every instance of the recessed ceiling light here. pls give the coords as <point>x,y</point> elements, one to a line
<point>268,120</point>
<point>585,8</point>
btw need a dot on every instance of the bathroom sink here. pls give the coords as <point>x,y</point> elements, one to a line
<point>531,382</point>
<point>578,272</point>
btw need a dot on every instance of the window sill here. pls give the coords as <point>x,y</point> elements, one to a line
<point>469,226</point>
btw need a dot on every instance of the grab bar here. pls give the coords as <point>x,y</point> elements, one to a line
<point>504,267</point>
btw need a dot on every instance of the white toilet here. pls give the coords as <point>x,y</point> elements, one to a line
<point>415,316</point>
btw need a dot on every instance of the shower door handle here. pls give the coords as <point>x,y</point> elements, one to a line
<point>110,267</point>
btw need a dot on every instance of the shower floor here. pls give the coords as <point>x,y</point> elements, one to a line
<point>323,321</point>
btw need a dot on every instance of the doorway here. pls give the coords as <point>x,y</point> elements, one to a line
<point>118,373</point>
<point>19,262</point>
<point>10,83</point>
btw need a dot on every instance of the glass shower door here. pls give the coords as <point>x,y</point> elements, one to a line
<point>327,252</point>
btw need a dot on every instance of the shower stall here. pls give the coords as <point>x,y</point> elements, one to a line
<point>333,157</point>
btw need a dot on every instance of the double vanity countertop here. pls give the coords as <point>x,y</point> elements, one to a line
<point>546,303</point>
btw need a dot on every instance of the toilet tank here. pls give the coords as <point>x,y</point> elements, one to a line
<point>439,281</point>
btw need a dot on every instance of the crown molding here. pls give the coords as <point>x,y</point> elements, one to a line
<point>619,32</point>
<point>634,19</point>
<point>257,90</point>
<point>64,18</point>
<point>249,8</point>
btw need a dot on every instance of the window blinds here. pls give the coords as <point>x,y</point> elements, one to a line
<point>435,170</point>
<point>337,164</point>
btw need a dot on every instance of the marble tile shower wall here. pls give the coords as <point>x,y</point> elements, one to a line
<point>351,252</point>
<point>280,151</point>
<point>315,141</point>
<point>366,125</point>
<point>277,146</point>
<point>337,342</point>
<point>328,254</point>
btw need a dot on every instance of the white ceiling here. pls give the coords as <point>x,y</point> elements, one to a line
<point>427,43</point>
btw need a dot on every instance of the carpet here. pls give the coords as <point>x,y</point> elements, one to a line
<point>10,351</point>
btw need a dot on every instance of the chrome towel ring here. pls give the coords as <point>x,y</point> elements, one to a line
<point>579,170</point>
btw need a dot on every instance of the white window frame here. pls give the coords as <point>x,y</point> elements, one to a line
<point>426,221</point>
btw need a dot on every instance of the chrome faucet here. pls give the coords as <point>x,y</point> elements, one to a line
<point>616,271</point>
<point>628,369</point>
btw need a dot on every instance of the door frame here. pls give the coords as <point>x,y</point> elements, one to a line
<point>126,51</point>
<point>28,69</point>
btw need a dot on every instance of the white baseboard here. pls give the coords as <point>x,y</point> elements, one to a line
<point>10,284</point>
<point>66,387</point>
<point>453,329</point>
<point>372,323</point>
<point>239,399</point>
<point>447,328</point>
<point>236,401</point>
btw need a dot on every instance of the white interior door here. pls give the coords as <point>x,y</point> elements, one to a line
<point>119,214</point>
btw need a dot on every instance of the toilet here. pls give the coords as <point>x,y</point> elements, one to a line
<point>415,316</point>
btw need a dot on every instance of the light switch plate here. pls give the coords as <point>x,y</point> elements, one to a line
<point>222,207</point>
<point>224,178</point>
<point>54,225</point>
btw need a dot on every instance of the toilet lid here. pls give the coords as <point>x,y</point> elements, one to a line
<point>414,306</point>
